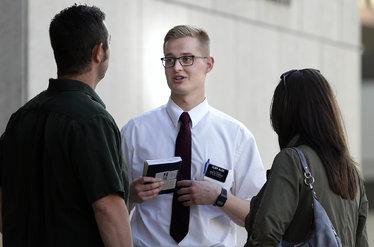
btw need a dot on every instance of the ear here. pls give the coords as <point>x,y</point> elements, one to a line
<point>210,63</point>
<point>98,53</point>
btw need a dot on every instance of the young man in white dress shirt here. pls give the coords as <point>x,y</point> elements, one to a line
<point>217,139</point>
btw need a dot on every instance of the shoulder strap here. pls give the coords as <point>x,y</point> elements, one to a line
<point>308,177</point>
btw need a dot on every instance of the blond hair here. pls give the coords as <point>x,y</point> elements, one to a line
<point>182,31</point>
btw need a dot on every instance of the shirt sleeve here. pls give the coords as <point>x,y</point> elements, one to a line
<point>282,188</point>
<point>126,147</point>
<point>249,173</point>
<point>97,158</point>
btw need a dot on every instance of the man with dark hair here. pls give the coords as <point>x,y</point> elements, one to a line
<point>74,32</point>
<point>62,178</point>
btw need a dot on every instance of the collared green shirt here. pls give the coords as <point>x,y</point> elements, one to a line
<point>283,207</point>
<point>59,154</point>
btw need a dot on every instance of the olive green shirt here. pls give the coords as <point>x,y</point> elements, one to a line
<point>283,207</point>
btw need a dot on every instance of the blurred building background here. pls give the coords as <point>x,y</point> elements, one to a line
<point>367,107</point>
<point>252,41</point>
<point>366,8</point>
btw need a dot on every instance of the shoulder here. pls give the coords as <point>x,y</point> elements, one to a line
<point>228,122</point>
<point>75,105</point>
<point>85,107</point>
<point>286,162</point>
<point>32,104</point>
<point>147,118</point>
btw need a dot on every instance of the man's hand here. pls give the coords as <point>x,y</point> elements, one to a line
<point>196,192</point>
<point>144,189</point>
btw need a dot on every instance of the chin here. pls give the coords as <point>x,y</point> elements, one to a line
<point>101,74</point>
<point>179,90</point>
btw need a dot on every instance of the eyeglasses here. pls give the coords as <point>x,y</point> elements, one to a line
<point>169,62</point>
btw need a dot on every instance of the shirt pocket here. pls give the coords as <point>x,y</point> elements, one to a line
<point>228,182</point>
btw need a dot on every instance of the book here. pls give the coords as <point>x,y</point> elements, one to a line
<point>165,169</point>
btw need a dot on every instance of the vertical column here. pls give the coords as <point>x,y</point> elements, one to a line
<point>13,59</point>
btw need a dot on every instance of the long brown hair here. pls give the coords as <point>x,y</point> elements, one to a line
<point>304,104</point>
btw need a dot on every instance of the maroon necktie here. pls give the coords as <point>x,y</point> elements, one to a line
<point>180,215</point>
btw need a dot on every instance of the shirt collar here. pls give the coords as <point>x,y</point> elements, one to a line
<point>196,113</point>
<point>73,85</point>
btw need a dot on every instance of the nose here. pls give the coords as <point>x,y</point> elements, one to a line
<point>177,66</point>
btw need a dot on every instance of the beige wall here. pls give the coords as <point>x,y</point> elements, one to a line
<point>253,42</point>
<point>367,129</point>
<point>13,58</point>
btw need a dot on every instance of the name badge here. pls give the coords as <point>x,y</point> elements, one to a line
<point>216,173</point>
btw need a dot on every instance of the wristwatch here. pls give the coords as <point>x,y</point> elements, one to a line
<point>221,199</point>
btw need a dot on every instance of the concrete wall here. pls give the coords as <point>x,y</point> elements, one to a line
<point>367,130</point>
<point>13,58</point>
<point>252,41</point>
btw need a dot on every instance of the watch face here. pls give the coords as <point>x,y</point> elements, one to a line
<point>220,203</point>
<point>221,198</point>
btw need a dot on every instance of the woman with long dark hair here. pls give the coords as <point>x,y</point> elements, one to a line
<point>305,114</point>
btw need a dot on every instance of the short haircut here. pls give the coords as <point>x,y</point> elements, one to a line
<point>182,31</point>
<point>74,32</point>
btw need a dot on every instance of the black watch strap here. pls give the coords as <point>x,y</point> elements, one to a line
<point>221,199</point>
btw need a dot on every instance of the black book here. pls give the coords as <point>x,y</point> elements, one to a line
<point>165,169</point>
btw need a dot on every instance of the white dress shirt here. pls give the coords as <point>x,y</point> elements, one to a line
<point>226,142</point>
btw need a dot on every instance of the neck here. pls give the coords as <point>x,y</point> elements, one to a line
<point>186,103</point>
<point>87,78</point>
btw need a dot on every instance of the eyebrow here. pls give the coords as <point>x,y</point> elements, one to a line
<point>182,54</point>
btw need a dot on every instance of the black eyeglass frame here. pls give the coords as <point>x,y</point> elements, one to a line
<point>179,60</point>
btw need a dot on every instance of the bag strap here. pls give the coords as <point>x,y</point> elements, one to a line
<point>308,177</point>
<point>309,180</point>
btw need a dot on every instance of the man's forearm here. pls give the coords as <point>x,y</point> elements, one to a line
<point>237,209</point>
<point>201,192</point>
<point>112,219</point>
